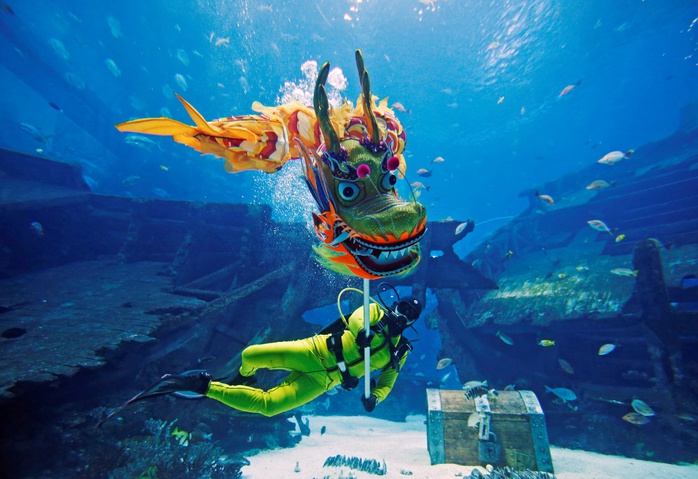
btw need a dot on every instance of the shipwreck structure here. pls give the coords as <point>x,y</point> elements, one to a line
<point>100,295</point>
<point>633,288</point>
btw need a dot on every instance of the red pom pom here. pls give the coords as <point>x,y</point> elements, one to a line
<point>364,170</point>
<point>393,163</point>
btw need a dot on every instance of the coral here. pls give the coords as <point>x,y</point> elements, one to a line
<point>509,473</point>
<point>366,465</point>
<point>160,456</point>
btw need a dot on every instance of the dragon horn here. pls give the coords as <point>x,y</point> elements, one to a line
<point>371,124</point>
<point>322,110</point>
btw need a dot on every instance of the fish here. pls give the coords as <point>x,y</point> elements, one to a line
<point>206,359</point>
<point>141,142</point>
<point>568,89</point>
<point>635,418</point>
<point>561,276</point>
<point>420,185</point>
<point>130,180</point>
<point>467,225</point>
<point>510,387</point>
<point>323,430</point>
<point>112,67</point>
<point>34,132</point>
<point>625,272</point>
<point>582,268</point>
<point>221,41</point>
<point>523,111</point>
<point>641,407</point>
<point>475,384</point>
<point>565,366</point>
<point>181,81</point>
<point>614,157</point>
<point>500,101</point>
<point>443,363</point>
<point>606,349</point>
<point>609,401</point>
<point>545,198</point>
<point>506,339</point>
<point>55,107</point>
<point>424,173</point>
<point>599,185</point>
<point>546,343</point>
<point>507,255</point>
<point>620,237</point>
<point>399,107</point>
<point>200,436</point>
<point>59,48</point>
<point>183,57</point>
<point>164,168</point>
<point>438,159</point>
<point>599,225</point>
<point>114,26</point>
<point>36,228</point>
<point>563,393</point>
<point>182,437</point>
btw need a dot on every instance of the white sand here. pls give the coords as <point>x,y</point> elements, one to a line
<point>403,447</point>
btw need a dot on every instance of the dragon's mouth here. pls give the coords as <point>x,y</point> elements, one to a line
<point>385,259</point>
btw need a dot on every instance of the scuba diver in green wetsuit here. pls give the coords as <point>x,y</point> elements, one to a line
<point>316,364</point>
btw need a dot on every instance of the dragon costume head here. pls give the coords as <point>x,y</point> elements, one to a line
<point>365,228</point>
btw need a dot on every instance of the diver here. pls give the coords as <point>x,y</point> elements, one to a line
<point>331,358</point>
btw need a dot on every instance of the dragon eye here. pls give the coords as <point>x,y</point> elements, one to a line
<point>348,191</point>
<point>388,181</point>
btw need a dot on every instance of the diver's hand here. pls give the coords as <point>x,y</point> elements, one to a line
<point>362,341</point>
<point>369,402</point>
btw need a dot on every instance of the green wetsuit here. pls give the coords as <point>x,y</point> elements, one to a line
<point>313,369</point>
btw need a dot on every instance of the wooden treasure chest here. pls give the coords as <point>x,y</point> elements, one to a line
<point>506,428</point>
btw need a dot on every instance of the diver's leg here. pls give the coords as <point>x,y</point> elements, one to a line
<point>298,389</point>
<point>296,355</point>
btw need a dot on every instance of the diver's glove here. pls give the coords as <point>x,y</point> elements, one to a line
<point>196,383</point>
<point>369,402</point>
<point>364,341</point>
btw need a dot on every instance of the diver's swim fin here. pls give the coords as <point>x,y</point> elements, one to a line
<point>168,384</point>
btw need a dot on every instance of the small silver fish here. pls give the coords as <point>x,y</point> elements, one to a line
<point>641,407</point>
<point>606,348</point>
<point>563,393</point>
<point>443,363</point>
<point>506,339</point>
<point>624,272</point>
<point>113,67</point>
<point>36,228</point>
<point>475,384</point>
<point>599,225</point>
<point>614,157</point>
<point>141,141</point>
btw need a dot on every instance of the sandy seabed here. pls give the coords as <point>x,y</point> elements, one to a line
<point>403,447</point>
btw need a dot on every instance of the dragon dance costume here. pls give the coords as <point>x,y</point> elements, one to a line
<point>352,159</point>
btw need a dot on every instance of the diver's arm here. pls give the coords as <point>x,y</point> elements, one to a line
<point>386,380</point>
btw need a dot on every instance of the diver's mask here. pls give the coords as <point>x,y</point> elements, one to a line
<point>403,314</point>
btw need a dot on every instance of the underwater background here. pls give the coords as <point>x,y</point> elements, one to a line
<point>509,94</point>
<point>480,82</point>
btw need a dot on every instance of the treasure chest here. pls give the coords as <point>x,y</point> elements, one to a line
<point>476,429</point>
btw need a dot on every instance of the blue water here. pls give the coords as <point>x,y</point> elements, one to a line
<point>481,80</point>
